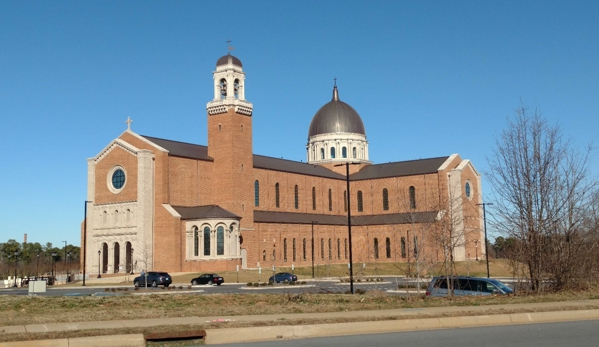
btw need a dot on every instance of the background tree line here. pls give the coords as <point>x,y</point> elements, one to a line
<point>33,259</point>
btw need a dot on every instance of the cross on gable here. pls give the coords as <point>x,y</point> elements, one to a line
<point>128,122</point>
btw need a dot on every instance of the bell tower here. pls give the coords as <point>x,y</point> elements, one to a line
<point>230,141</point>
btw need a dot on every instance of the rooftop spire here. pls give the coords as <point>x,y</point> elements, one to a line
<point>335,91</point>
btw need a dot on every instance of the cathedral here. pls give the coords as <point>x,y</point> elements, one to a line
<point>164,205</point>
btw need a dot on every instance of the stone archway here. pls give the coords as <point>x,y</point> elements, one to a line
<point>117,257</point>
<point>104,258</point>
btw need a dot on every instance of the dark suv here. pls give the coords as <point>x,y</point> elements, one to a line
<point>153,279</point>
<point>284,277</point>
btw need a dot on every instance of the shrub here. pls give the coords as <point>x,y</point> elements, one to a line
<point>249,284</point>
<point>180,287</point>
<point>271,284</point>
<point>256,284</point>
<point>303,282</point>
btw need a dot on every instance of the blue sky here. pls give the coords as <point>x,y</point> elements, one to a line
<point>429,78</point>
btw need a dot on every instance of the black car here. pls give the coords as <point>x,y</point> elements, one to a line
<point>153,279</point>
<point>284,277</point>
<point>208,279</point>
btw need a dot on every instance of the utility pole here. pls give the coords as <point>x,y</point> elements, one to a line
<point>486,242</point>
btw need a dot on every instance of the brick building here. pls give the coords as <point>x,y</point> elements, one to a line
<point>172,206</point>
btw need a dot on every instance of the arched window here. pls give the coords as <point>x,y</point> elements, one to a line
<point>322,153</point>
<point>277,195</point>
<point>330,200</point>
<point>220,241</point>
<point>360,204</point>
<point>403,247</point>
<point>332,152</point>
<point>344,152</point>
<point>385,199</point>
<point>388,247</point>
<point>293,249</point>
<point>322,249</point>
<point>274,254</point>
<point>264,255</point>
<point>196,242</point>
<point>128,216</point>
<point>330,250</point>
<point>376,248</point>
<point>105,218</point>
<point>467,189</point>
<point>345,248</point>
<point>285,250</point>
<point>314,198</point>
<point>345,201</point>
<point>338,248</point>
<point>304,249</point>
<point>354,152</point>
<point>223,88</point>
<point>206,241</point>
<point>256,193</point>
<point>415,246</point>
<point>236,88</point>
<point>296,200</point>
<point>116,216</point>
<point>412,197</point>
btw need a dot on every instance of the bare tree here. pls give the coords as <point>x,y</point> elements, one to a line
<point>542,191</point>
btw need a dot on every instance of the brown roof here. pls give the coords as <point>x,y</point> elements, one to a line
<point>276,164</point>
<point>308,218</point>
<point>400,168</point>
<point>204,212</point>
<point>395,169</point>
<point>181,149</point>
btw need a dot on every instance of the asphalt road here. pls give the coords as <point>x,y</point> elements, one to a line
<point>228,288</point>
<point>571,334</point>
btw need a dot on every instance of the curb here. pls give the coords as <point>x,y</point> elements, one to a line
<point>285,332</point>
<point>130,340</point>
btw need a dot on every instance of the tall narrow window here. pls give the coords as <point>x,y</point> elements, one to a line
<point>344,152</point>
<point>196,242</point>
<point>354,152</point>
<point>345,201</point>
<point>376,248</point>
<point>338,248</point>
<point>206,241</point>
<point>296,200</point>
<point>256,193</point>
<point>285,250</point>
<point>360,204</point>
<point>304,249</point>
<point>385,199</point>
<point>330,250</point>
<point>322,249</point>
<point>314,198</point>
<point>322,153</point>
<point>274,254</point>
<point>264,255</point>
<point>332,152</point>
<point>220,241</point>
<point>330,200</point>
<point>293,249</point>
<point>345,248</point>
<point>412,197</point>
<point>415,246</point>
<point>388,247</point>
<point>403,247</point>
<point>277,194</point>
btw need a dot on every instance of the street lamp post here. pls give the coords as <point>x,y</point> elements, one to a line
<point>84,239</point>
<point>351,267</point>
<point>486,242</point>
<point>16,265</point>
<point>99,275</point>
<point>65,254</point>
<point>53,261</point>
<point>313,248</point>
<point>68,264</point>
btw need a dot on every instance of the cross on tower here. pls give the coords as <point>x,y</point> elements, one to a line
<point>335,79</point>
<point>229,45</point>
<point>128,122</point>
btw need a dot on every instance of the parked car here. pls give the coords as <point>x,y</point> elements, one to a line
<point>208,279</point>
<point>284,277</point>
<point>463,285</point>
<point>153,279</point>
